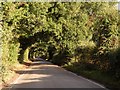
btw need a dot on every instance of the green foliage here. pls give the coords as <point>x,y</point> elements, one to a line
<point>63,57</point>
<point>60,32</point>
<point>114,58</point>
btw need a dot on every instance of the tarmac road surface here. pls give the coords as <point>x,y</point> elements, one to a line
<point>43,74</point>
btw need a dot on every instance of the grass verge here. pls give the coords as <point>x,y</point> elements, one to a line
<point>11,74</point>
<point>100,77</point>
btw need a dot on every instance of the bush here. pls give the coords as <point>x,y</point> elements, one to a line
<point>63,57</point>
<point>114,58</point>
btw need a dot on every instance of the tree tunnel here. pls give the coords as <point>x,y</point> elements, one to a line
<point>43,26</point>
<point>38,50</point>
<point>37,45</point>
<point>63,33</point>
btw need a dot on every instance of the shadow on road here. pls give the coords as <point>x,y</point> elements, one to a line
<point>44,75</point>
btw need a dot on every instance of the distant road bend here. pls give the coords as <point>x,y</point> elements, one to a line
<point>43,74</point>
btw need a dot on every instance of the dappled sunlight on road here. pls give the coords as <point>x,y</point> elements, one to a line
<point>42,74</point>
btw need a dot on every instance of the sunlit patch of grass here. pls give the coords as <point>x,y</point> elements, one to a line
<point>7,76</point>
<point>9,71</point>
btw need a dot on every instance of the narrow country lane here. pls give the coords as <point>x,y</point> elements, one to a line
<point>43,74</point>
